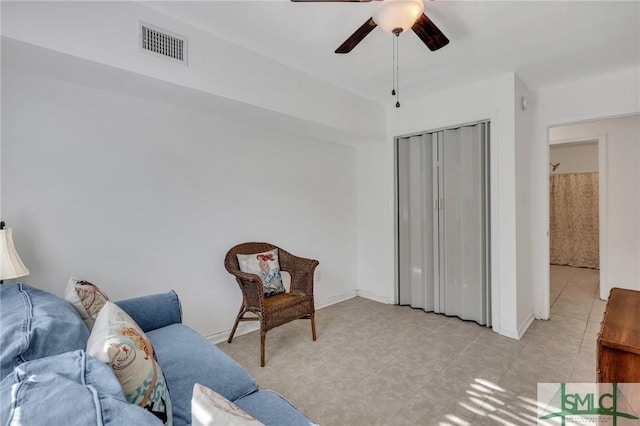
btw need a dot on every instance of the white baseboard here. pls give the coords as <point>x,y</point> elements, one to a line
<point>372,296</point>
<point>336,299</point>
<point>243,328</point>
<point>513,334</point>
<point>522,328</point>
<point>525,325</point>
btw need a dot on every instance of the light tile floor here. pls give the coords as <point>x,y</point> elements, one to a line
<point>377,364</point>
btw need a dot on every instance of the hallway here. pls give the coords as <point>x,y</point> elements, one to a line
<point>575,299</point>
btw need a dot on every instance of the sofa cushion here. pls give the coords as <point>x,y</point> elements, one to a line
<point>86,298</point>
<point>209,408</point>
<point>118,341</point>
<point>272,409</point>
<point>70,389</point>
<point>36,324</point>
<point>265,265</point>
<point>188,358</point>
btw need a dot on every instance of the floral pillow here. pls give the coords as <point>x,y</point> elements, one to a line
<point>209,408</point>
<point>86,297</point>
<point>119,342</point>
<point>266,266</point>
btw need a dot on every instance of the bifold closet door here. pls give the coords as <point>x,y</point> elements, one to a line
<point>463,224</point>
<point>443,222</point>
<point>415,157</point>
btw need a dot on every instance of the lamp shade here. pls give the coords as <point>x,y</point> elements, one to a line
<point>393,15</point>
<point>10,264</point>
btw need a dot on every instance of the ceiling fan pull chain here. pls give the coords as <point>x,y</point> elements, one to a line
<point>393,89</point>
<point>397,70</point>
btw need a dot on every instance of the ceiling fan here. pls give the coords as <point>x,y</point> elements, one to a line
<point>394,17</point>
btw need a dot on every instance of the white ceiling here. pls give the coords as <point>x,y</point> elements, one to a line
<point>544,42</point>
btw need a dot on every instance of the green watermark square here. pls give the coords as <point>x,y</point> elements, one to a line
<point>579,404</point>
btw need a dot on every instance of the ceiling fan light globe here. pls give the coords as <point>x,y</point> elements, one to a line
<point>392,15</point>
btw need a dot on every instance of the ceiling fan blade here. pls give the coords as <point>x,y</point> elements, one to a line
<point>429,33</point>
<point>357,37</point>
<point>333,1</point>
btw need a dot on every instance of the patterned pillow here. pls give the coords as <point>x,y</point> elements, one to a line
<point>209,408</point>
<point>266,266</point>
<point>87,298</point>
<point>119,342</point>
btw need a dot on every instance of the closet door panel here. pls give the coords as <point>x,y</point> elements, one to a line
<point>472,224</point>
<point>451,222</point>
<point>404,224</point>
<point>462,213</point>
<point>415,232</point>
<point>429,214</point>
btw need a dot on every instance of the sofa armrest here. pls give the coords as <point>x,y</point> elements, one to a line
<point>153,311</point>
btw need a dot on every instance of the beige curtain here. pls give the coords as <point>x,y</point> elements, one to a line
<point>574,219</point>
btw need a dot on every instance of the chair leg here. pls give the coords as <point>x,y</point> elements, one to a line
<point>313,325</point>
<point>235,325</point>
<point>263,338</point>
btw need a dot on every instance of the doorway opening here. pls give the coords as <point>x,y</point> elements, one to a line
<point>618,142</point>
<point>575,213</point>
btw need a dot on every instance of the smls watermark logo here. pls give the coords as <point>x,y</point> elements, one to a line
<point>569,404</point>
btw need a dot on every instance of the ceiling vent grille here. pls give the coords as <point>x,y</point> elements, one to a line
<point>162,42</point>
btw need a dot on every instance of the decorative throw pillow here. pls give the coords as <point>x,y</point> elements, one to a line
<point>209,408</point>
<point>86,297</point>
<point>119,342</point>
<point>266,266</point>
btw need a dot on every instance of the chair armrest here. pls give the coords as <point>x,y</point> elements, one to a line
<point>301,270</point>
<point>153,311</point>
<point>251,287</point>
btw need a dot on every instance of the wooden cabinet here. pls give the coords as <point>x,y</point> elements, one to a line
<point>618,347</point>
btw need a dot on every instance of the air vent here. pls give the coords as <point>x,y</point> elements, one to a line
<point>163,42</point>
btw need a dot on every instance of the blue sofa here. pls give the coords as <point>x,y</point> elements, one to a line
<point>47,377</point>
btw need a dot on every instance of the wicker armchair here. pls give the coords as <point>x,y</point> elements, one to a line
<point>280,308</point>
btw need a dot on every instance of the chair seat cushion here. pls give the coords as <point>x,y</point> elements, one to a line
<point>287,300</point>
<point>188,358</point>
<point>285,307</point>
<point>272,409</point>
<point>36,324</point>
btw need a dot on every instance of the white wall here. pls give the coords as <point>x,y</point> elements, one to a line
<point>572,157</point>
<point>492,99</point>
<point>376,221</point>
<point>106,32</point>
<point>622,198</point>
<point>523,125</point>
<point>143,196</point>
<point>609,95</point>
